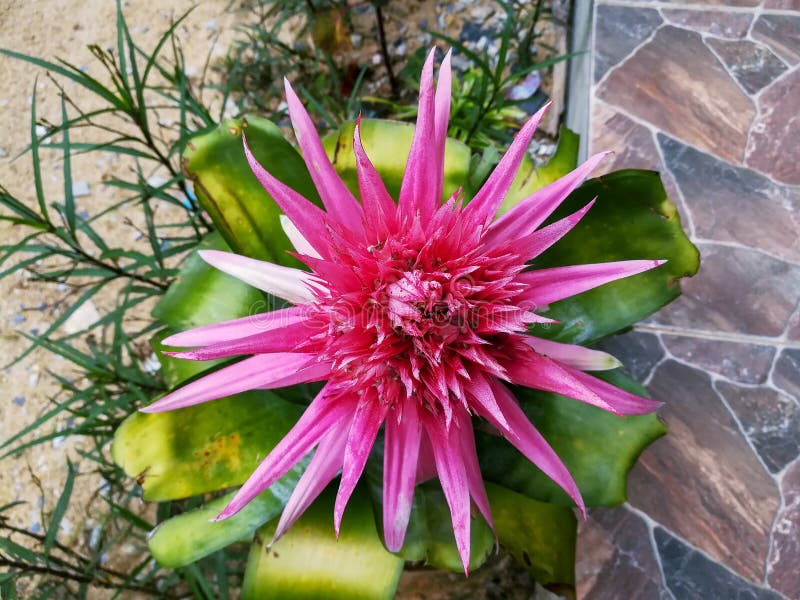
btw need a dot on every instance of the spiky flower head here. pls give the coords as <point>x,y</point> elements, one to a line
<point>416,315</point>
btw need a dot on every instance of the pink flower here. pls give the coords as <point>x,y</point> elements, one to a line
<point>416,315</point>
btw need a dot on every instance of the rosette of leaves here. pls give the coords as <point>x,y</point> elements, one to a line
<point>209,449</point>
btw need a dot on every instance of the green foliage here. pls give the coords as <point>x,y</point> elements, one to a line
<point>430,536</point>
<point>598,448</point>
<point>240,208</point>
<point>632,219</point>
<point>540,535</point>
<point>387,143</point>
<point>310,562</point>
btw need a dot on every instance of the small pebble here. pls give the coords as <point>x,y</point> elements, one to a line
<point>19,400</point>
<point>401,48</point>
<point>41,130</point>
<point>80,189</point>
<point>18,318</point>
<point>212,25</point>
<point>376,59</point>
<point>35,528</point>
<point>356,39</point>
<point>3,153</point>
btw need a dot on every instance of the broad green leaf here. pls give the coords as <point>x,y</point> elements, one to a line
<point>387,144</point>
<point>541,536</point>
<point>202,448</point>
<point>175,371</point>
<point>632,219</point>
<point>598,448</point>
<point>430,536</point>
<point>191,536</point>
<point>309,562</point>
<point>203,295</point>
<point>530,178</point>
<point>241,209</point>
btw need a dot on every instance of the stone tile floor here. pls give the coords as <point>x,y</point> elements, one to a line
<point>707,92</point>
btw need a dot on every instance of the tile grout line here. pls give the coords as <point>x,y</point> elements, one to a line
<point>719,336</point>
<point>700,7</point>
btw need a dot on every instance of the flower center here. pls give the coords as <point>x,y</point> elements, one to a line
<point>419,302</point>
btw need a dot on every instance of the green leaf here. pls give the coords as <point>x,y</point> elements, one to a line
<point>60,509</point>
<point>430,536</point>
<point>203,295</point>
<point>387,144</point>
<point>202,448</point>
<point>598,448</point>
<point>531,178</point>
<point>541,536</point>
<point>241,209</point>
<point>632,219</point>
<point>184,539</point>
<point>309,562</point>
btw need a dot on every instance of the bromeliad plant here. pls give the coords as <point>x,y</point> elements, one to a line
<point>440,323</point>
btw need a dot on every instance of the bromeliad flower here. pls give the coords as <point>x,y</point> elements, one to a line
<point>416,314</point>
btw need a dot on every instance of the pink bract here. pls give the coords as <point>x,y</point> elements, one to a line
<point>415,313</point>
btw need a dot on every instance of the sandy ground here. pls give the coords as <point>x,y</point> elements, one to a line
<point>50,29</point>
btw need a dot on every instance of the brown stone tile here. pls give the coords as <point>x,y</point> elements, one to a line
<point>781,33</point>
<point>746,363</point>
<point>702,480</point>
<point>715,22</point>
<point>782,4</point>
<point>786,375</point>
<point>753,65</point>
<point>717,2</point>
<point>733,204</point>
<point>615,558</point>
<point>632,144</point>
<point>773,145</point>
<point>736,291</point>
<point>783,573</point>
<point>678,85</point>
<point>770,419</point>
<point>618,31</point>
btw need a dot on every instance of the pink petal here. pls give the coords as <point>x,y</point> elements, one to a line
<point>444,89</point>
<point>323,414</point>
<point>541,373</point>
<point>531,212</point>
<point>325,464</point>
<point>300,243</point>
<point>426,464</point>
<point>480,392</point>
<point>237,328</point>
<point>470,455</point>
<point>578,357</point>
<point>624,403</point>
<point>379,208</point>
<point>366,423</point>
<point>416,194</point>
<point>533,245</point>
<point>285,282</point>
<point>453,477</point>
<point>401,450</point>
<point>550,285</point>
<point>338,201</point>
<point>525,438</point>
<point>484,205</point>
<point>264,371</point>
<point>286,339</point>
<point>306,215</point>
